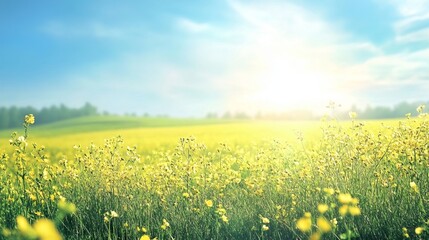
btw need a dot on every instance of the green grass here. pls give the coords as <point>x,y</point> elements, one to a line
<point>107,123</point>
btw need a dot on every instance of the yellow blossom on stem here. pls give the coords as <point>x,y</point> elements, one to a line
<point>419,230</point>
<point>322,208</point>
<point>29,119</point>
<point>46,230</point>
<point>414,187</point>
<point>265,220</point>
<point>354,211</point>
<point>165,224</point>
<point>304,223</point>
<point>25,228</point>
<point>323,225</point>
<point>345,198</point>
<point>209,203</point>
<point>315,236</point>
<point>343,210</point>
<point>145,237</point>
<point>265,227</point>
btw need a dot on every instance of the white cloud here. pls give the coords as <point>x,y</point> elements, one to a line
<point>421,35</point>
<point>412,25</point>
<point>410,8</point>
<point>192,26</point>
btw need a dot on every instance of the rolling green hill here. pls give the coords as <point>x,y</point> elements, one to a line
<point>106,123</point>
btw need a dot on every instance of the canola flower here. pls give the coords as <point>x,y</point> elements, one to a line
<point>419,230</point>
<point>322,208</point>
<point>352,115</point>
<point>323,225</point>
<point>165,224</point>
<point>265,227</point>
<point>145,237</point>
<point>43,229</point>
<point>209,203</point>
<point>264,219</point>
<point>414,187</point>
<point>224,219</point>
<point>25,228</point>
<point>354,211</point>
<point>46,230</point>
<point>345,198</point>
<point>29,119</point>
<point>304,223</point>
<point>405,233</point>
<point>315,236</point>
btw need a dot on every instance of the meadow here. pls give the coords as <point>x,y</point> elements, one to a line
<point>136,178</point>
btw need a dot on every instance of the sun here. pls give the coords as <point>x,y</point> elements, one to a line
<point>291,84</point>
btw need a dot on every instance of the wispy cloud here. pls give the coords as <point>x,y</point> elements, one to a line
<point>192,26</point>
<point>92,29</point>
<point>413,24</point>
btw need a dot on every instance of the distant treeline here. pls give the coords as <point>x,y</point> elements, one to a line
<point>11,117</point>
<point>377,112</point>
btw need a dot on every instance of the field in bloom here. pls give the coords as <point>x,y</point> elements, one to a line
<point>233,180</point>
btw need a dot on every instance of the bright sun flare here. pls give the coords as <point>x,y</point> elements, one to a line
<point>287,84</point>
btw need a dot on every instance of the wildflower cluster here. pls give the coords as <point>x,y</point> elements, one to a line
<point>347,181</point>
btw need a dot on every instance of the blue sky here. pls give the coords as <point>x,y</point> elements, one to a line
<point>187,58</point>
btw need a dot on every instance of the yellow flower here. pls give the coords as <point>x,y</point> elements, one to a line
<point>46,230</point>
<point>352,115</point>
<point>265,227</point>
<point>322,208</point>
<point>420,108</point>
<point>323,224</point>
<point>29,119</point>
<point>33,197</point>
<point>224,218</point>
<point>265,220</point>
<point>414,186</point>
<point>315,236</point>
<point>329,191</point>
<point>25,228</point>
<point>345,198</point>
<point>185,195</point>
<point>69,208</point>
<point>343,210</point>
<point>334,222</point>
<point>419,230</point>
<point>165,224</point>
<point>114,214</point>
<point>209,203</point>
<point>405,232</point>
<point>145,237</point>
<point>354,211</point>
<point>304,223</point>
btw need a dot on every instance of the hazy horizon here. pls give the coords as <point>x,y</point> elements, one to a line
<point>189,59</point>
